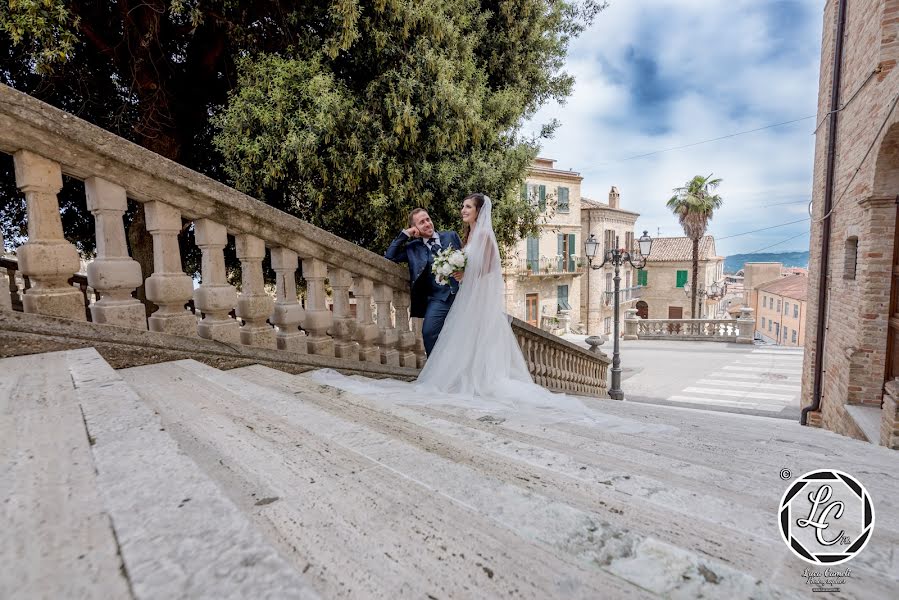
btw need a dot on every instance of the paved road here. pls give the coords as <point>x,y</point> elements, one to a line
<point>758,380</point>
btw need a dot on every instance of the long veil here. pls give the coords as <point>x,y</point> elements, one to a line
<point>477,363</point>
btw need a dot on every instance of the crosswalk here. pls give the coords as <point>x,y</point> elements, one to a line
<point>768,380</point>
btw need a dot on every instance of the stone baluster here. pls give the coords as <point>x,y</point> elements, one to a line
<point>746,326</point>
<point>388,336</point>
<point>288,313</point>
<point>46,259</point>
<point>215,297</point>
<point>168,287</point>
<point>5,297</point>
<point>318,317</point>
<point>343,328</point>
<point>366,330</point>
<point>631,324</point>
<point>113,273</point>
<point>254,306</point>
<point>421,356</point>
<point>406,339</point>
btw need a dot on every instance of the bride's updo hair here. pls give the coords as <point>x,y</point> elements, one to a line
<point>478,204</point>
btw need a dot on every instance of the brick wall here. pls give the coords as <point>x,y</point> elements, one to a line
<point>865,208</point>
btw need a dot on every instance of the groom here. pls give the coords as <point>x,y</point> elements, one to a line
<point>418,246</point>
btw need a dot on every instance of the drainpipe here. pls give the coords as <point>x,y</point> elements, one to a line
<point>828,205</point>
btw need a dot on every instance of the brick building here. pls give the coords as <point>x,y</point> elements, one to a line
<point>849,383</point>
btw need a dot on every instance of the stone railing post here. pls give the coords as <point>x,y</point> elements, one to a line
<point>388,336</point>
<point>631,324</point>
<point>287,314</point>
<point>318,317</point>
<point>344,326</point>
<point>215,297</point>
<point>5,298</point>
<point>406,339</point>
<point>113,273</point>
<point>745,326</point>
<point>254,306</point>
<point>366,330</point>
<point>168,287</point>
<point>421,356</point>
<point>47,259</point>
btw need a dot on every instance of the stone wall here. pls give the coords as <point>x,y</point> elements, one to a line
<point>865,189</point>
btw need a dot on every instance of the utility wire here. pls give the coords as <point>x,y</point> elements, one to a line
<point>723,137</point>
<point>851,98</point>
<point>762,229</point>
<point>784,203</point>
<point>779,243</point>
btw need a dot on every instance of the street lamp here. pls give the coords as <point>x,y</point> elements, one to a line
<point>617,256</point>
<point>716,291</point>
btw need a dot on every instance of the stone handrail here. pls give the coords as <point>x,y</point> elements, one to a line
<point>714,330</point>
<point>559,365</point>
<point>46,143</point>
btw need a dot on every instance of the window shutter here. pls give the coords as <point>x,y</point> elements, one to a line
<point>561,251</point>
<point>542,197</point>
<point>641,277</point>
<point>572,249</point>
<point>681,278</point>
<point>534,253</point>
<point>563,199</point>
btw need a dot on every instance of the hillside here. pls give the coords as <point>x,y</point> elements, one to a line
<point>734,263</point>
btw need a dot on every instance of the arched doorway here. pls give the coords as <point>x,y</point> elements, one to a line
<point>642,310</point>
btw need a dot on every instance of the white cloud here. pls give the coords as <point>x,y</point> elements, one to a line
<point>654,74</point>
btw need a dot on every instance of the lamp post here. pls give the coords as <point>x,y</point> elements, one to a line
<point>617,256</point>
<point>715,292</point>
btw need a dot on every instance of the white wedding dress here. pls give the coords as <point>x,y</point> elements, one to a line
<point>477,363</point>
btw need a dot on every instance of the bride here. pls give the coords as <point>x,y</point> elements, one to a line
<point>477,363</point>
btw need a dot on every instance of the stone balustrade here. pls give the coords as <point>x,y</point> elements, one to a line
<point>47,143</point>
<point>713,330</point>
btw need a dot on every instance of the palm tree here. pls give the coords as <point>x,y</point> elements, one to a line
<point>694,204</point>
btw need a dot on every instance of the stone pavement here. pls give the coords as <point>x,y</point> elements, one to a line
<point>748,379</point>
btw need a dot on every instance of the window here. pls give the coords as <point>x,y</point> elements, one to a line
<point>567,249</point>
<point>563,199</point>
<point>795,311</point>
<point>563,297</point>
<point>763,322</point>
<point>778,305</point>
<point>628,278</point>
<point>850,259</point>
<point>607,325</point>
<point>608,241</point>
<point>794,336</point>
<point>629,241</point>
<point>786,308</point>
<point>535,194</point>
<point>534,253</point>
<point>610,283</point>
<point>681,279</point>
<point>786,333</point>
<point>770,323</point>
<point>641,277</point>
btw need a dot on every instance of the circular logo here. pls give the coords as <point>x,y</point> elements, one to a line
<point>826,517</point>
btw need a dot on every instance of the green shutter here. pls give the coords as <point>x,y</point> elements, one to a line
<point>524,192</point>
<point>572,249</point>
<point>681,278</point>
<point>563,199</point>
<point>641,277</point>
<point>542,197</point>
<point>534,253</point>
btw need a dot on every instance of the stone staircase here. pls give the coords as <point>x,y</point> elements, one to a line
<point>180,480</point>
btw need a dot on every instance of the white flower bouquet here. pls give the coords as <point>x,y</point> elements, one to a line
<point>447,262</point>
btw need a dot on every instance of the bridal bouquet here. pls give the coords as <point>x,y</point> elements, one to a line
<point>447,262</point>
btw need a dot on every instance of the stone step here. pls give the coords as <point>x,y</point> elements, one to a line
<point>176,532</point>
<point>57,540</point>
<point>768,483</point>
<point>354,519</point>
<point>593,482</point>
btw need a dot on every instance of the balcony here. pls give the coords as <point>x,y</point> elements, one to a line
<point>547,267</point>
<point>629,294</point>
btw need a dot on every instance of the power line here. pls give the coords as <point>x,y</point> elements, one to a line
<point>785,203</point>
<point>779,243</point>
<point>762,229</point>
<point>723,137</point>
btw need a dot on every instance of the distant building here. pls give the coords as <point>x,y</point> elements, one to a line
<point>543,273</point>
<point>608,223</point>
<point>667,275</point>
<point>780,318</point>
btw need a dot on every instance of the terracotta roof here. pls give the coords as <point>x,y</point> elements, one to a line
<point>678,249</point>
<point>589,203</point>
<point>793,286</point>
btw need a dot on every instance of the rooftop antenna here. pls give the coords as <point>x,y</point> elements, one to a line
<point>658,232</point>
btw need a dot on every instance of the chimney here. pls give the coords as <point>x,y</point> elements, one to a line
<point>613,197</point>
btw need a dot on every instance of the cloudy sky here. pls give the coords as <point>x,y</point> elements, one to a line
<point>656,74</point>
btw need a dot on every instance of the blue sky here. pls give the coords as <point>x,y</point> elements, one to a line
<point>655,74</point>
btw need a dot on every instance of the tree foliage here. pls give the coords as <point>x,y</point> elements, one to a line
<point>346,113</point>
<point>695,205</point>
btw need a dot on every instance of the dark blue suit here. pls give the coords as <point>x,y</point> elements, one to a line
<point>429,299</point>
